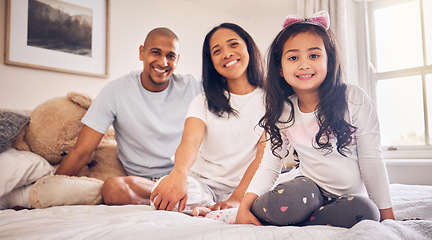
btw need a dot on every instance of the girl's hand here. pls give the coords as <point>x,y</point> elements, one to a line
<point>387,214</point>
<point>245,216</point>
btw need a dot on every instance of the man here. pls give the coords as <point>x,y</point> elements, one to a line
<point>147,110</point>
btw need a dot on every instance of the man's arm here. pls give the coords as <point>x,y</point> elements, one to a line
<point>173,188</point>
<point>80,153</point>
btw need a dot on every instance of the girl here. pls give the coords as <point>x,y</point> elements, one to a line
<point>221,136</point>
<point>332,127</point>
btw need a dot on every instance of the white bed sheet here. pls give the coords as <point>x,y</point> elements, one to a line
<point>412,204</point>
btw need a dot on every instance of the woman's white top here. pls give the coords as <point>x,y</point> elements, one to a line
<point>230,142</point>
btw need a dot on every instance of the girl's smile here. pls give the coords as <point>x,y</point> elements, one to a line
<point>305,77</point>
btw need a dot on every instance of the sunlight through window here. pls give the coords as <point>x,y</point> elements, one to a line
<point>401,58</point>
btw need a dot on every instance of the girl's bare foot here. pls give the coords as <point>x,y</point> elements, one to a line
<point>200,211</point>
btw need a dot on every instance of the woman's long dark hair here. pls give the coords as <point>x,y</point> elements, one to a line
<point>332,105</point>
<point>215,85</point>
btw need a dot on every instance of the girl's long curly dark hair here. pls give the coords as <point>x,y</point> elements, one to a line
<point>215,85</point>
<point>332,100</point>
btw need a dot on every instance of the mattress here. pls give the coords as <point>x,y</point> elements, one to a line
<point>412,205</point>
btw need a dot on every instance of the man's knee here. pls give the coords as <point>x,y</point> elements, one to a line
<point>114,191</point>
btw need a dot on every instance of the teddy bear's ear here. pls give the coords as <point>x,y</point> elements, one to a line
<point>80,99</point>
<point>20,142</point>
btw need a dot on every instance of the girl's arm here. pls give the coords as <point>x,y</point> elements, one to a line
<point>263,180</point>
<point>244,215</point>
<point>237,195</point>
<point>173,188</point>
<point>387,214</point>
<point>371,162</point>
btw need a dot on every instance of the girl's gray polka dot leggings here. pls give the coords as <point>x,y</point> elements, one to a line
<point>300,202</point>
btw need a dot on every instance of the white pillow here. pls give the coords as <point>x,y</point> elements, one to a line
<point>19,168</point>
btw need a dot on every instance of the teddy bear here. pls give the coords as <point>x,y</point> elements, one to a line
<point>54,128</point>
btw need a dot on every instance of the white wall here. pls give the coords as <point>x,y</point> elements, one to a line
<point>410,171</point>
<point>130,21</point>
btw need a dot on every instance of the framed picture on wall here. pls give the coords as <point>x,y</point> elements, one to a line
<point>69,36</point>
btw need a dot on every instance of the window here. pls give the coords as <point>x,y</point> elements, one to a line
<point>400,66</point>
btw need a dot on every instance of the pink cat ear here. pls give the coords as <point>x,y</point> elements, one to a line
<point>322,18</point>
<point>290,19</point>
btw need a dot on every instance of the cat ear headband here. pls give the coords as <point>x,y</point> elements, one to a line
<point>320,18</point>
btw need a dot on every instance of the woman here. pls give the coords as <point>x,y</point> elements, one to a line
<point>220,148</point>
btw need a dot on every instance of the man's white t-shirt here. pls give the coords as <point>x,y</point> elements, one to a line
<point>148,125</point>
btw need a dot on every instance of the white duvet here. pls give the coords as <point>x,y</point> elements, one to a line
<point>412,204</point>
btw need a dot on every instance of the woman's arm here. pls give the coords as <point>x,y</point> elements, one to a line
<point>173,188</point>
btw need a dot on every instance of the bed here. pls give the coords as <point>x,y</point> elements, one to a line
<point>20,169</point>
<point>412,205</point>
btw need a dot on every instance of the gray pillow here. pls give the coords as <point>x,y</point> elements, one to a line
<point>11,124</point>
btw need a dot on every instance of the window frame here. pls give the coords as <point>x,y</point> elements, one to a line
<point>367,55</point>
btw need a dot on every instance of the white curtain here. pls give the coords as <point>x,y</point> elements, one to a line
<point>337,10</point>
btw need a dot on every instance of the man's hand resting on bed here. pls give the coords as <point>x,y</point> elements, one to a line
<point>171,190</point>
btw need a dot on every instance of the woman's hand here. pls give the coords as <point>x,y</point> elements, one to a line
<point>171,190</point>
<point>230,203</point>
<point>203,211</point>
